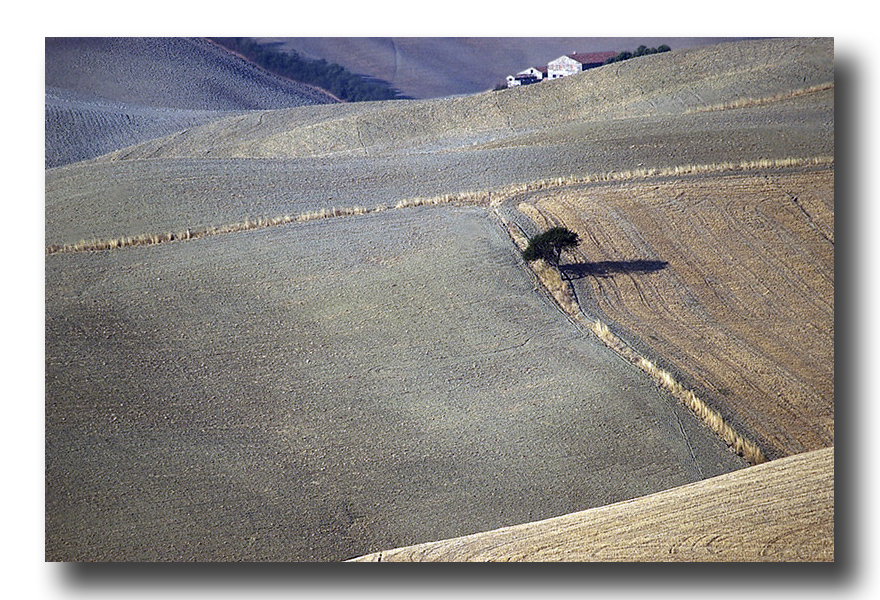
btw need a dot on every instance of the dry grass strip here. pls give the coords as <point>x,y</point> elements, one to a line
<point>505,193</point>
<point>712,418</point>
<point>149,239</point>
<point>480,197</point>
<point>563,294</point>
<point>745,102</point>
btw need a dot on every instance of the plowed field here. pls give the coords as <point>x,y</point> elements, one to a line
<point>727,280</point>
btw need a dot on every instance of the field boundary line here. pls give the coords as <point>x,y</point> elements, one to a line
<point>490,197</point>
<point>747,102</point>
<point>563,294</point>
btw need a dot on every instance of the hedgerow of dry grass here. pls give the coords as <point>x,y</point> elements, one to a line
<point>475,197</point>
<point>563,294</point>
<point>744,102</point>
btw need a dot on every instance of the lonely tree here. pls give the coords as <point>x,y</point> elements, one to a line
<point>550,244</point>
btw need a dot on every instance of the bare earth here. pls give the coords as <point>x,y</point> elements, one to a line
<point>741,300</point>
<point>331,388</point>
<point>321,391</point>
<point>754,515</point>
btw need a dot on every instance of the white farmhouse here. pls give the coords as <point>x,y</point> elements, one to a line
<point>536,72</point>
<point>576,62</point>
<point>530,75</point>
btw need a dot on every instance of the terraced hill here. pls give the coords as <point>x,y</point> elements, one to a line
<point>107,93</point>
<point>317,317</point>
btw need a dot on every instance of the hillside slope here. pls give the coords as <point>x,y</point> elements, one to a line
<point>743,306</point>
<point>779,511</point>
<point>666,85</point>
<point>444,66</point>
<point>643,112</point>
<point>378,377</point>
<point>106,93</point>
<point>332,388</point>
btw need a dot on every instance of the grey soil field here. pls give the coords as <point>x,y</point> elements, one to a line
<point>103,94</point>
<point>108,199</point>
<point>323,390</point>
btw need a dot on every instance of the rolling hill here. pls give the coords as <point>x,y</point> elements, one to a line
<point>447,66</point>
<point>106,93</point>
<point>307,333</point>
<point>755,515</point>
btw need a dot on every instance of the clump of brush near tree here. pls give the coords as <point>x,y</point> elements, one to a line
<point>550,245</point>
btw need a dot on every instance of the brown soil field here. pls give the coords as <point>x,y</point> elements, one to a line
<point>758,514</point>
<point>322,390</point>
<point>727,280</point>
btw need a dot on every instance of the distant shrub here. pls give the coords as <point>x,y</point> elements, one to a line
<point>334,78</point>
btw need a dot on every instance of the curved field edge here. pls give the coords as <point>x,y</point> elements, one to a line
<point>563,294</point>
<point>492,197</point>
<point>779,511</point>
<point>560,290</point>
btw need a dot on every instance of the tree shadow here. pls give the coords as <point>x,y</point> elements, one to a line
<point>606,268</point>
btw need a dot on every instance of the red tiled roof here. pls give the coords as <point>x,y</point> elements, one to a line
<point>590,58</point>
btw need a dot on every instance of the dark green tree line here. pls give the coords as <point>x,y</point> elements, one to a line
<point>332,77</point>
<point>640,51</point>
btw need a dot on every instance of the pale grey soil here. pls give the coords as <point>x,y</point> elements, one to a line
<point>183,73</point>
<point>79,129</point>
<point>103,94</point>
<point>324,390</point>
<point>112,199</point>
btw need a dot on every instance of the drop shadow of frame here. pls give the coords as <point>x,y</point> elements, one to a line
<point>607,268</point>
